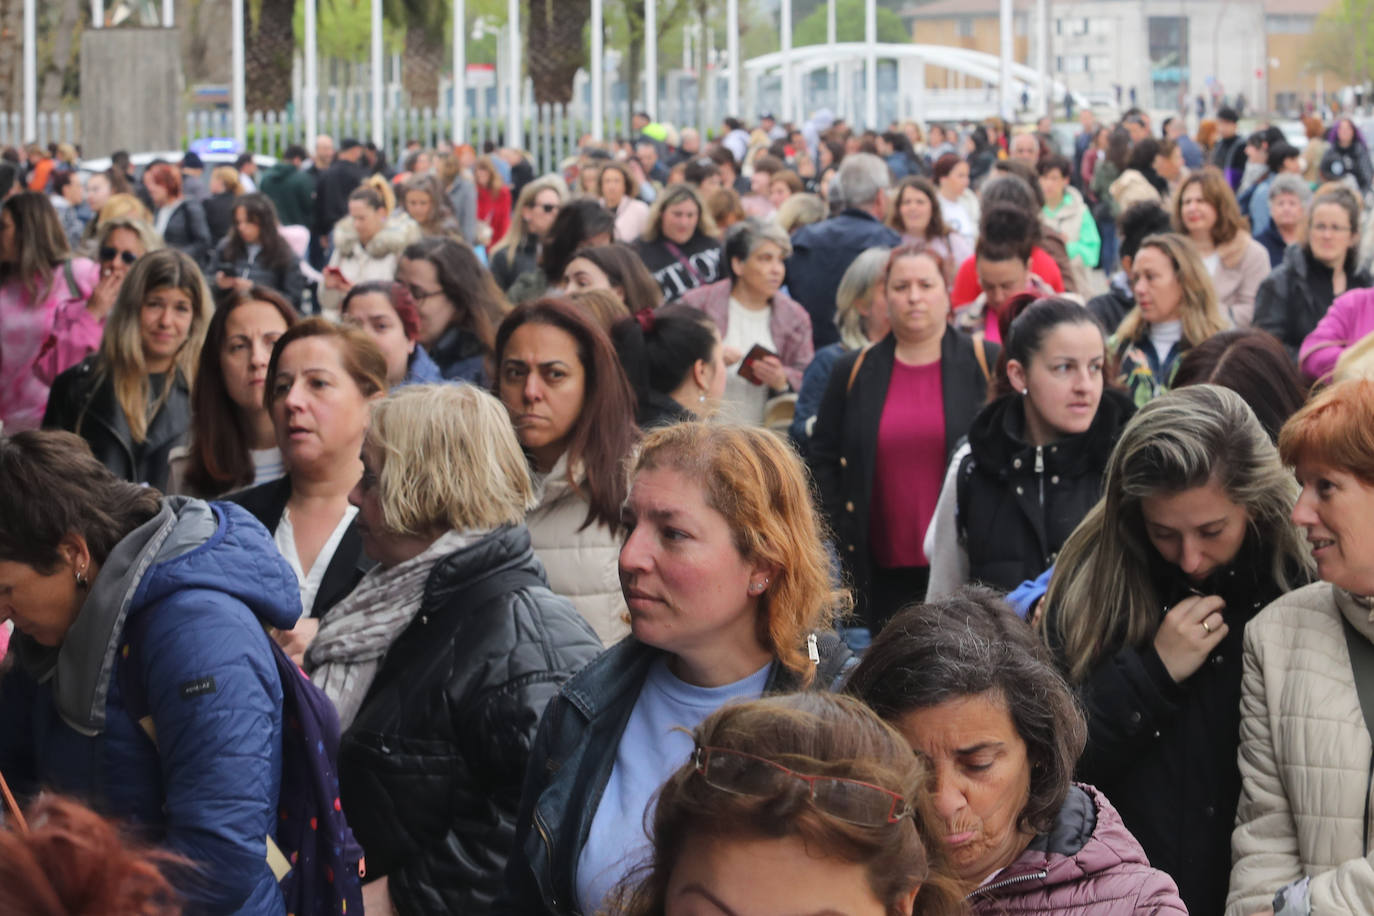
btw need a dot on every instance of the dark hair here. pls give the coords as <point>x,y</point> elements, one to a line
<point>768,163</point>
<point>1227,113</point>
<point>218,460</point>
<point>1119,148</point>
<point>678,337</point>
<point>944,165</point>
<point>468,285</point>
<point>1054,162</point>
<point>1002,169</point>
<point>261,212</point>
<point>1025,322</point>
<point>295,151</point>
<point>51,485</point>
<point>40,244</point>
<point>604,433</point>
<point>722,157</point>
<point>61,179</point>
<point>1143,155</point>
<point>624,269</point>
<point>402,305</point>
<point>1007,233</point>
<point>9,173</point>
<point>698,170</point>
<point>969,644</point>
<point>576,222</point>
<point>936,228</point>
<point>1139,222</point>
<point>1254,365</point>
<point>1280,153</point>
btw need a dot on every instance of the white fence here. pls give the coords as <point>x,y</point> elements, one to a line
<point>53,127</point>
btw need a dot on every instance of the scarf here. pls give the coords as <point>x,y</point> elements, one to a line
<point>357,632</point>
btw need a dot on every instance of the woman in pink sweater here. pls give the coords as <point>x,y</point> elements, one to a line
<point>1348,320</point>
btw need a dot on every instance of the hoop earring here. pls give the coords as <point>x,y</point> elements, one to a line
<point>81,581</point>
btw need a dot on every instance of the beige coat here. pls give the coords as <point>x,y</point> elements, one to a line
<point>1304,758</point>
<point>361,263</point>
<point>582,566</point>
<point>1244,265</point>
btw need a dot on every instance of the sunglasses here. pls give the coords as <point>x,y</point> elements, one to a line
<point>860,803</point>
<point>547,208</point>
<point>109,253</point>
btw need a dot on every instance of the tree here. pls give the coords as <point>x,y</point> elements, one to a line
<point>669,14</point>
<point>1342,41</point>
<point>554,47</point>
<point>426,27</point>
<point>269,44</point>
<point>849,25</point>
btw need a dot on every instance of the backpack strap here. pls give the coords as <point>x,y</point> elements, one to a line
<point>980,353</point>
<point>854,370</point>
<point>71,279</point>
<point>1362,665</point>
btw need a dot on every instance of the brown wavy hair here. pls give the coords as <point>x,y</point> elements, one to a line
<point>1217,192</point>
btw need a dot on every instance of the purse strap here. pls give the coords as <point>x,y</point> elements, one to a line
<point>12,807</point>
<point>1362,666</point>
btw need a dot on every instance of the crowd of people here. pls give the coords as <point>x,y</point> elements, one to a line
<point>930,521</point>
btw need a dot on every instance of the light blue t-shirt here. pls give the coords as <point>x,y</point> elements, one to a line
<point>650,750</point>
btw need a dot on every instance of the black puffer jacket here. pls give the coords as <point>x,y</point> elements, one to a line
<point>83,401</point>
<point>1017,503</point>
<point>1292,299</point>
<point>432,766</point>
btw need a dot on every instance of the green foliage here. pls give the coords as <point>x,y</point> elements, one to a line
<point>1343,41</point>
<point>345,26</point>
<point>849,25</point>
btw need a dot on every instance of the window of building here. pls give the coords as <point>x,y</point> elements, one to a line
<point>1288,24</point>
<point>964,26</point>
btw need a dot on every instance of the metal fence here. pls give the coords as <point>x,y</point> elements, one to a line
<point>52,127</point>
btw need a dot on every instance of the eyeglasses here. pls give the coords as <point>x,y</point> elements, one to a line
<point>1325,228</point>
<point>419,295</point>
<point>860,803</point>
<point>109,253</point>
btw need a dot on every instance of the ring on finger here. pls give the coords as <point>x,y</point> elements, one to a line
<point>1207,627</point>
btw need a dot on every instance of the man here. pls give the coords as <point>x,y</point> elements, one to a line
<point>248,170</point>
<point>689,143</point>
<point>1177,131</point>
<point>338,181</point>
<point>646,151</point>
<point>703,174</point>
<point>193,183</point>
<point>324,154</point>
<point>822,252</point>
<point>1229,153</point>
<point>290,189</point>
<point>1044,129</point>
<point>1026,148</point>
<point>769,125</point>
<point>1137,126</point>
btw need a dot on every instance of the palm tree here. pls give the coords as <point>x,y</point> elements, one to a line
<point>555,49</point>
<point>426,25</point>
<point>270,43</point>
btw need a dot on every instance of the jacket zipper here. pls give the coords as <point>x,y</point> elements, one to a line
<point>998,885</point>
<point>1040,472</point>
<point>548,850</point>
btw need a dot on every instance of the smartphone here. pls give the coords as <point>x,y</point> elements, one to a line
<point>746,366</point>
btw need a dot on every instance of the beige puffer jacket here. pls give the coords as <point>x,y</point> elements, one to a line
<point>1304,757</point>
<point>582,566</point>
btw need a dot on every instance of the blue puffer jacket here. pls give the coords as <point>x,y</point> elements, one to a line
<point>197,583</point>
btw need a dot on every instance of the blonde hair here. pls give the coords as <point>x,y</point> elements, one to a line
<point>1103,595</point>
<point>229,177</point>
<point>494,182</point>
<point>800,209</point>
<point>121,347</point>
<point>452,462</point>
<point>605,307</point>
<point>1199,310</point>
<point>147,235</point>
<point>757,482</point>
<point>123,206</point>
<point>671,196</point>
<point>515,236</point>
<point>383,189</point>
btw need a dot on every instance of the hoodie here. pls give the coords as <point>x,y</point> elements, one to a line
<point>182,601</point>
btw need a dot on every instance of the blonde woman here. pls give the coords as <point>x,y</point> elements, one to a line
<point>367,243</point>
<point>1145,613</point>
<point>131,400</point>
<point>1175,309</point>
<point>518,252</point>
<point>425,203</point>
<point>225,189</point>
<point>493,200</point>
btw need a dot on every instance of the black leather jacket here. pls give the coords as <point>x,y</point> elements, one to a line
<point>431,768</point>
<point>83,401</point>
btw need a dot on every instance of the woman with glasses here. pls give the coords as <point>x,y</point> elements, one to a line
<point>388,315</point>
<point>518,252</point>
<point>794,804</point>
<point>730,597</point>
<point>459,307</point>
<point>1295,297</point>
<point>974,692</point>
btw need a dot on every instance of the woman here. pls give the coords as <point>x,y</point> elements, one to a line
<point>97,582</point>
<point>915,212</point>
<point>751,313</point>
<point>386,312</point>
<point>1145,612</point>
<point>686,363</point>
<point>255,254</point>
<point>1289,197</point>
<point>1349,321</point>
<point>977,697</point>
<point>958,205</point>
<point>426,203</point>
<point>890,420</point>
<point>799,211</point>
<point>1292,300</point>
<point>580,223</point>
<point>680,247</point>
<point>458,304</point>
<point>66,197</point>
<point>39,279</point>
<point>861,317</point>
<point>219,206</point>
<point>1347,158</point>
<point>493,200</point>
<point>456,180</point>
<point>1175,309</point>
<point>1033,463</point>
<point>518,253</point>
<point>447,650</point>
<point>180,221</point>
<point>367,246</point>
<point>321,380</point>
<point>1205,210</point>
<point>617,189</point>
<point>1139,181</point>
<point>725,208</point>
<point>573,411</point>
<point>726,578</point>
<point>1252,364</point>
<point>233,443</point>
<point>617,268</point>
<point>1301,835</point>
<point>860,843</point>
<point>1016,188</point>
<point>1003,261</point>
<point>131,400</point>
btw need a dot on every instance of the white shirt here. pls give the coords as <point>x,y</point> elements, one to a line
<point>743,401</point>
<point>310,579</point>
<point>1212,262</point>
<point>1163,336</point>
<point>164,216</point>
<point>267,465</point>
<point>957,218</point>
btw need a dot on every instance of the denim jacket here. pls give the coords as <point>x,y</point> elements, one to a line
<point>571,763</point>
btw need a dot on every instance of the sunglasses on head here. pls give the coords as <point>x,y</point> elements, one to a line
<point>109,253</point>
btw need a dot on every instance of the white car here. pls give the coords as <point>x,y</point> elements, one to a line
<point>140,160</point>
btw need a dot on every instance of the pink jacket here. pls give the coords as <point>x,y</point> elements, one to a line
<point>789,323</point>
<point>24,329</point>
<point>1350,318</point>
<point>1088,865</point>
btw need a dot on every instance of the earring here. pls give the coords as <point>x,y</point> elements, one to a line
<point>701,398</point>
<point>1024,392</point>
<point>81,581</point>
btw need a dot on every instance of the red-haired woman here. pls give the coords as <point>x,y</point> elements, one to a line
<point>180,221</point>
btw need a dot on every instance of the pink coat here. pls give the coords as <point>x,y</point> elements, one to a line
<point>1350,318</point>
<point>24,329</point>
<point>1087,865</point>
<point>789,324</point>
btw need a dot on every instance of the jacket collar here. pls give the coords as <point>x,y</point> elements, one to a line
<point>1233,252</point>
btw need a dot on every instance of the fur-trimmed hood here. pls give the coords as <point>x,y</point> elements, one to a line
<point>391,239</point>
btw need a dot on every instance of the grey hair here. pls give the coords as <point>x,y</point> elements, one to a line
<point>746,236</point>
<point>856,287</point>
<point>861,176</point>
<point>1291,184</point>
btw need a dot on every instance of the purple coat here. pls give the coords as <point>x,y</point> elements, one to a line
<point>1087,865</point>
<point>1350,318</point>
<point>789,323</point>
